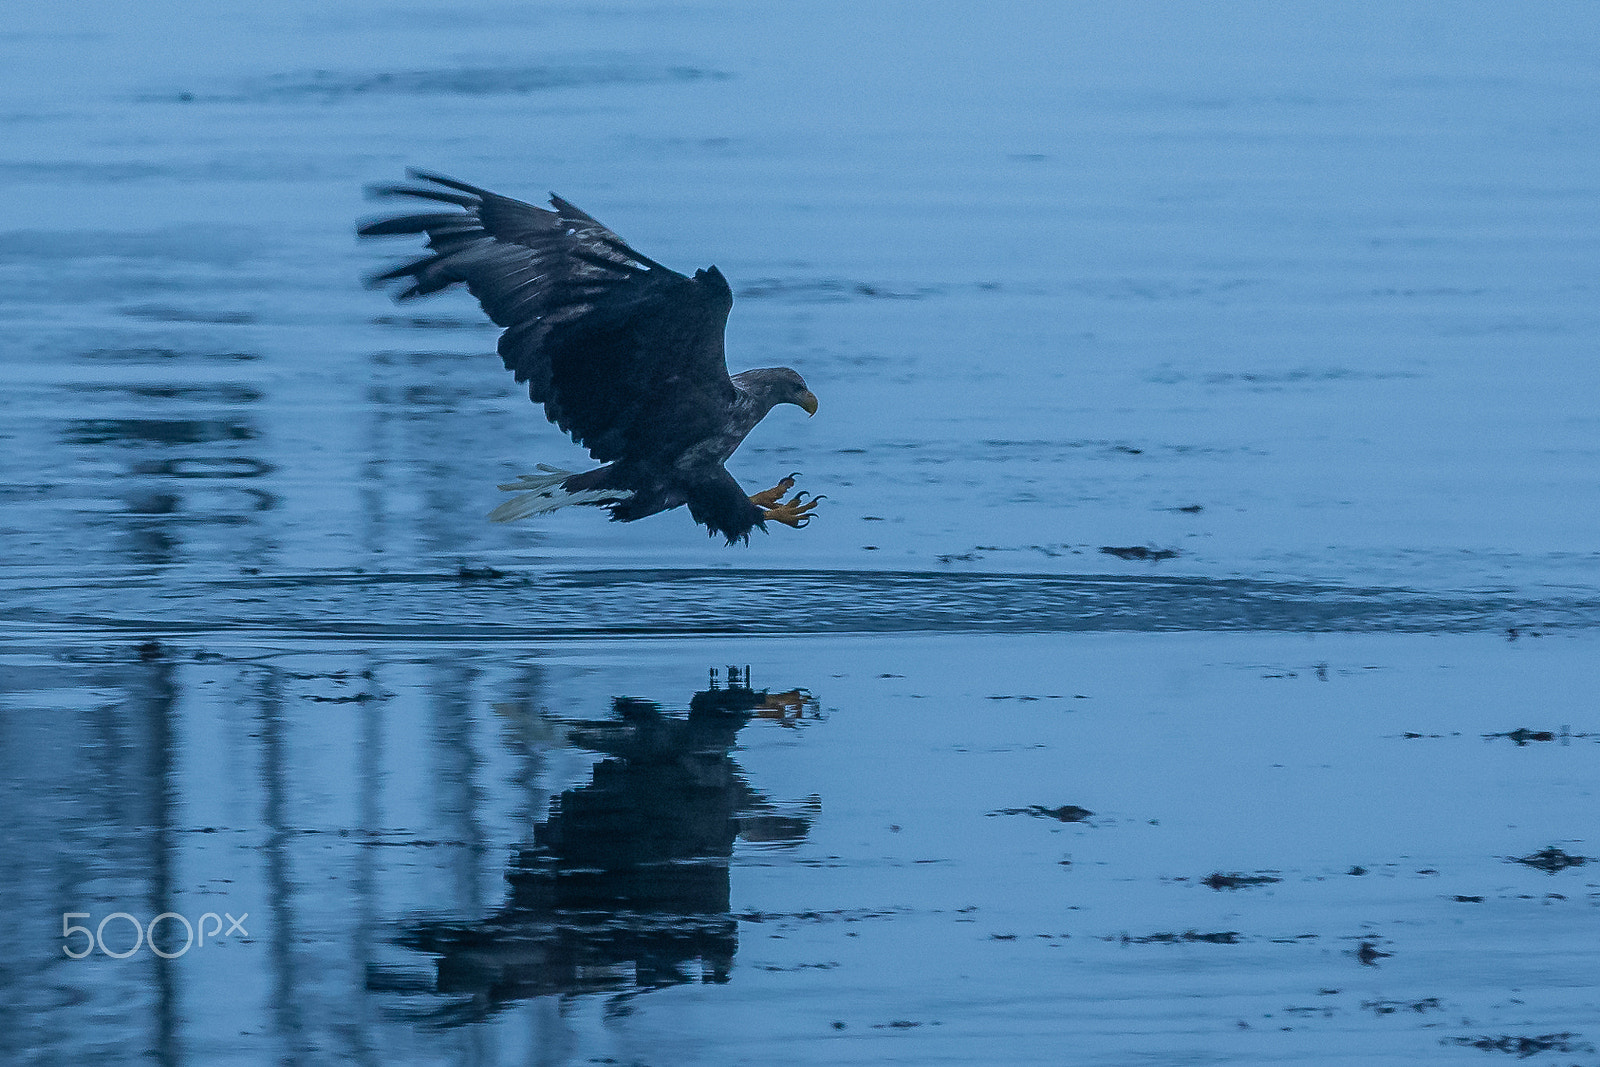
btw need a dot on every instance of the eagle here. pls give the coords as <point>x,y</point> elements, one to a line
<point>625,355</point>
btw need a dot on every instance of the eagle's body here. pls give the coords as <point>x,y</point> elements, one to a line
<point>625,355</point>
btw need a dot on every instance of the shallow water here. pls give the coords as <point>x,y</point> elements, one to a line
<point>1292,308</point>
<point>599,851</point>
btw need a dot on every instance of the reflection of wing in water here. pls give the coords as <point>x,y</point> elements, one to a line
<point>626,887</point>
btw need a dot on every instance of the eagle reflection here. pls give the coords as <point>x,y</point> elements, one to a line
<point>626,887</point>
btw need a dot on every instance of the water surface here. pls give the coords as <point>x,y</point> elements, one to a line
<point>1209,434</point>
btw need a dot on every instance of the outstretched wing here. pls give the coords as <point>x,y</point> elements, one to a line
<point>624,354</point>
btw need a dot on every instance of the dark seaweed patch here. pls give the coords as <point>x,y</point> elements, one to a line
<point>1140,552</point>
<point>1220,937</point>
<point>352,698</point>
<point>1550,860</point>
<point>1521,1046</point>
<point>847,915</point>
<point>1522,735</point>
<point>1369,954</point>
<point>1391,1007</point>
<point>1065,813</point>
<point>1218,880</point>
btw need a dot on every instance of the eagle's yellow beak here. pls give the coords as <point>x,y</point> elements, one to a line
<point>808,401</point>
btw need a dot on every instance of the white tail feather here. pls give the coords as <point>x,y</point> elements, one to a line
<point>551,476</point>
<point>540,494</point>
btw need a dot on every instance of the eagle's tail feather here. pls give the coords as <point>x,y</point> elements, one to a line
<point>540,494</point>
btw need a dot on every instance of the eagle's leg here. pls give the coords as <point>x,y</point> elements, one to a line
<point>792,512</point>
<point>768,497</point>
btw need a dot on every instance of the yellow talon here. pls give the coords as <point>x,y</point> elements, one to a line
<point>768,497</point>
<point>793,512</point>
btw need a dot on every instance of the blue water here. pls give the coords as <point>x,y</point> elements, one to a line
<point>1299,301</point>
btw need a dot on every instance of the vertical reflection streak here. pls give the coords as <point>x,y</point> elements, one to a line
<point>157,697</point>
<point>286,1014</point>
<point>364,883</point>
<point>460,798</point>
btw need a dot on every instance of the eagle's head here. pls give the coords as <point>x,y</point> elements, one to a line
<point>778,385</point>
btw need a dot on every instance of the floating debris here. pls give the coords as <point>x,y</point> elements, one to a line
<point>353,698</point>
<point>1218,880</point>
<point>1140,552</point>
<point>1369,954</point>
<point>1221,937</point>
<point>1522,735</point>
<point>1390,1007</point>
<point>1523,1046</point>
<point>1550,860</point>
<point>1065,813</point>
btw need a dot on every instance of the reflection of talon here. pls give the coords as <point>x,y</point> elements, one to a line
<point>793,512</point>
<point>768,497</point>
<point>786,707</point>
<point>792,701</point>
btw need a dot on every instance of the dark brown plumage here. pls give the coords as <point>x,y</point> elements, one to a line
<point>626,355</point>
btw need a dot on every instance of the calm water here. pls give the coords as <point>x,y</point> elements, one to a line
<point>1294,307</point>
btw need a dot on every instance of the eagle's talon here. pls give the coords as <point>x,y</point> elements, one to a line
<point>769,497</point>
<point>794,512</point>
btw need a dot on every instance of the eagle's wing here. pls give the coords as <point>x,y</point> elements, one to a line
<point>625,355</point>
